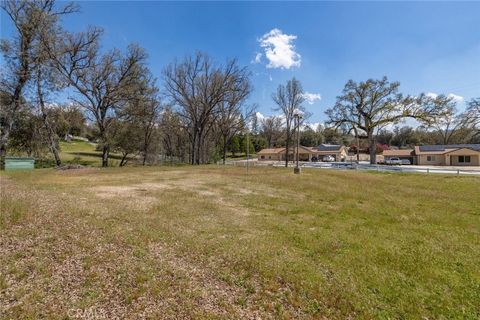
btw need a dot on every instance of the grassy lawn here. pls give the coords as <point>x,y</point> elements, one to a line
<point>84,153</point>
<point>210,242</point>
<point>80,152</point>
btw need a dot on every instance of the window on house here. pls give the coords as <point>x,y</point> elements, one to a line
<point>463,159</point>
<point>262,157</point>
<point>430,158</point>
<point>269,157</point>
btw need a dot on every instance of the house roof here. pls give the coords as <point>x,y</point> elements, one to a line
<point>282,150</point>
<point>270,151</point>
<point>462,150</point>
<point>329,147</point>
<point>443,148</point>
<point>430,152</point>
<point>399,152</point>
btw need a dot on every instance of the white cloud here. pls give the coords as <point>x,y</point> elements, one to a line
<point>279,49</point>
<point>258,58</point>
<point>455,97</point>
<point>312,97</point>
<point>260,116</point>
<point>51,105</point>
<point>431,95</point>
<point>313,125</point>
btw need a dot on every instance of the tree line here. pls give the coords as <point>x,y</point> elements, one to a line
<point>198,115</point>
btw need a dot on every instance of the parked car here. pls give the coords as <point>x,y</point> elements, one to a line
<point>314,159</point>
<point>406,161</point>
<point>393,161</point>
<point>328,158</point>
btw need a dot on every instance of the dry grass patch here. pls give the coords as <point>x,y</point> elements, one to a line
<point>210,242</point>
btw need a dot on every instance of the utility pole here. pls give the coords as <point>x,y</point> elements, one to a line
<point>297,115</point>
<point>248,148</point>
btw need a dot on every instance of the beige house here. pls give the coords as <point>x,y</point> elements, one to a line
<point>338,152</point>
<point>439,155</point>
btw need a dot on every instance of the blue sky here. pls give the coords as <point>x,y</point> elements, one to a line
<point>427,46</point>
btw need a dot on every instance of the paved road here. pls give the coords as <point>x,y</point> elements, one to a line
<point>366,166</point>
<point>402,168</point>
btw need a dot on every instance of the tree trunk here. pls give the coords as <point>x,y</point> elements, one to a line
<point>358,147</point>
<point>287,145</point>
<point>14,103</point>
<point>146,143</point>
<point>145,152</point>
<point>372,148</point>
<point>105,153</point>
<point>56,155</point>
<point>197,151</point>
<point>224,149</point>
<point>199,147</point>
<point>124,160</point>
<point>195,147</point>
<point>52,141</point>
<point>5,135</point>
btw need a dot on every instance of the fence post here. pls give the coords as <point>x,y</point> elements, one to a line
<point>458,172</point>
<point>428,170</point>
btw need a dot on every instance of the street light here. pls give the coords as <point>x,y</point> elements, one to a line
<point>297,114</point>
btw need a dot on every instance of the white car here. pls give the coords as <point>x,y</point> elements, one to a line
<point>328,158</point>
<point>393,161</point>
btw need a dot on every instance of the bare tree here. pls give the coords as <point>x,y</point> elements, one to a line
<point>288,99</point>
<point>271,129</point>
<point>51,135</point>
<point>197,87</point>
<point>29,18</point>
<point>230,120</point>
<point>103,82</point>
<point>47,81</point>
<point>173,135</point>
<point>373,104</point>
<point>471,117</point>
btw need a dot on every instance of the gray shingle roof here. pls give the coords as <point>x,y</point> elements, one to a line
<point>329,147</point>
<point>441,147</point>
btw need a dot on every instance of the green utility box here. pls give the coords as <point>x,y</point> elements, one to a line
<point>19,163</point>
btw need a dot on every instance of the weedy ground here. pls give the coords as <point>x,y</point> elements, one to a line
<point>211,242</point>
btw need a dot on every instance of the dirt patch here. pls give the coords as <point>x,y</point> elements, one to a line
<point>193,185</point>
<point>116,191</point>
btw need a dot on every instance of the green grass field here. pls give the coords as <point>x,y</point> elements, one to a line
<point>80,152</point>
<point>77,152</point>
<point>84,153</point>
<point>210,242</point>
